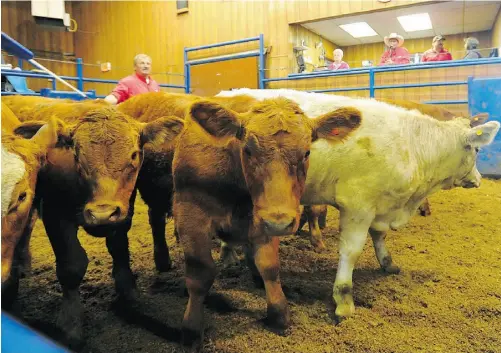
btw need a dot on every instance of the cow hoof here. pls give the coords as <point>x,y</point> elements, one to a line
<point>191,340</point>
<point>69,321</point>
<point>278,317</point>
<point>230,259</point>
<point>163,263</point>
<point>319,247</point>
<point>344,311</point>
<point>392,269</point>
<point>130,296</point>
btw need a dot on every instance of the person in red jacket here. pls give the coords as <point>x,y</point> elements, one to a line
<point>437,51</point>
<point>396,54</point>
<point>137,83</point>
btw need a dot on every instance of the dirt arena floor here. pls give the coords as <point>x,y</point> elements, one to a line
<point>446,299</point>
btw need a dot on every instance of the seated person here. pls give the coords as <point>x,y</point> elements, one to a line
<point>437,51</point>
<point>396,54</point>
<point>471,45</point>
<point>338,63</point>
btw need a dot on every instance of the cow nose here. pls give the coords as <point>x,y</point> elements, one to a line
<point>279,223</point>
<point>102,213</point>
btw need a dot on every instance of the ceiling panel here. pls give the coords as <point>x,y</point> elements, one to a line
<point>448,17</point>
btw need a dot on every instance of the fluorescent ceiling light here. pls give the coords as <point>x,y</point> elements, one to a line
<point>416,22</point>
<point>359,29</point>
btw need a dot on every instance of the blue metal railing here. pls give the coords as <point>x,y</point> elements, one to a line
<point>253,53</point>
<point>78,78</point>
<point>372,71</point>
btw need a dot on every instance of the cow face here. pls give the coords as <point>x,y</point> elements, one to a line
<point>101,154</point>
<point>274,146</point>
<point>467,175</point>
<point>21,161</point>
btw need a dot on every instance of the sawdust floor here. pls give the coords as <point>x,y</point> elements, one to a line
<point>446,299</point>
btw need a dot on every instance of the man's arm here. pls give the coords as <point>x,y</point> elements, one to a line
<point>119,94</point>
<point>111,99</point>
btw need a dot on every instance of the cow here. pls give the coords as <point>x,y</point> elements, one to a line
<point>240,177</point>
<point>21,161</point>
<point>89,181</point>
<point>311,213</point>
<point>154,182</point>
<point>37,108</point>
<point>380,175</point>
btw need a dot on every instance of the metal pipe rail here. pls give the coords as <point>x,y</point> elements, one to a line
<point>394,68</point>
<point>253,53</point>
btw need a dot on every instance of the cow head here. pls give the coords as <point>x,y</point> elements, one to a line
<point>274,140</point>
<point>21,161</point>
<point>465,171</point>
<point>102,153</point>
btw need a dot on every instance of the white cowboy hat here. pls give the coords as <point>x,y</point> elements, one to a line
<point>399,38</point>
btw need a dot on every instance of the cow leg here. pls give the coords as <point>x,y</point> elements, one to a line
<point>21,264</point>
<point>322,217</point>
<point>118,247</point>
<point>424,208</point>
<point>315,232</point>
<point>125,283</point>
<point>161,254</point>
<point>200,270</point>
<point>302,220</point>
<point>354,228</point>
<point>382,253</point>
<point>268,264</point>
<point>71,265</point>
<point>229,256</point>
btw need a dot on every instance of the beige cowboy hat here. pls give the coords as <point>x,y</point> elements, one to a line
<point>399,38</point>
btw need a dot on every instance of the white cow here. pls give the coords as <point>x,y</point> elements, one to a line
<point>382,173</point>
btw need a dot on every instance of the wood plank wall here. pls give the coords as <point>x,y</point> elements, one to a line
<point>116,31</point>
<point>110,31</point>
<point>18,23</point>
<point>354,55</point>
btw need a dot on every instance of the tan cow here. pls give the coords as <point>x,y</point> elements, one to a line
<point>89,181</point>
<point>240,177</point>
<point>155,182</point>
<point>21,161</point>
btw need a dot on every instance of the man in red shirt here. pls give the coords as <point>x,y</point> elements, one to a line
<point>139,82</point>
<point>437,51</point>
<point>396,54</point>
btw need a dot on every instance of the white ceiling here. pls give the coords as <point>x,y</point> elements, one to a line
<point>449,17</point>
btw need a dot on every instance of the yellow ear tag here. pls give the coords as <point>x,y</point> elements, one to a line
<point>479,132</point>
<point>476,119</point>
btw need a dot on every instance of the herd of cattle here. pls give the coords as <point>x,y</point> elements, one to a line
<point>237,166</point>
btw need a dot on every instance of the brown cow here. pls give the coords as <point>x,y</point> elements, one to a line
<point>21,161</point>
<point>312,214</point>
<point>240,177</point>
<point>89,181</point>
<point>155,182</point>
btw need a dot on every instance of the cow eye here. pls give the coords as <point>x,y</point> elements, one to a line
<point>477,149</point>
<point>134,155</point>
<point>307,154</point>
<point>22,197</point>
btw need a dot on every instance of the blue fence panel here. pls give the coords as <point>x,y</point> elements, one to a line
<point>484,96</point>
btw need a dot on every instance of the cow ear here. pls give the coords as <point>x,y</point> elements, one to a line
<point>47,136</point>
<point>217,120</point>
<point>28,129</point>
<point>336,125</point>
<point>483,135</point>
<point>160,131</point>
<point>43,132</point>
<point>479,119</point>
